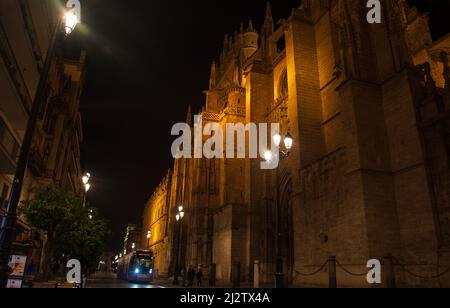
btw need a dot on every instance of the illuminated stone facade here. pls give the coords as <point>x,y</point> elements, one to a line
<point>368,175</point>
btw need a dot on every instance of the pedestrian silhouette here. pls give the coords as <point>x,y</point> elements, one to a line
<point>199,278</point>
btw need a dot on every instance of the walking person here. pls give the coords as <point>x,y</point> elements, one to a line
<point>191,277</point>
<point>199,277</point>
<point>183,276</point>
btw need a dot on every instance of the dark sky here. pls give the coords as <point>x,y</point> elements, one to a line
<point>147,61</point>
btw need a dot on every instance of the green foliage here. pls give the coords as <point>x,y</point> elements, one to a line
<point>74,229</point>
<point>50,209</point>
<point>85,238</point>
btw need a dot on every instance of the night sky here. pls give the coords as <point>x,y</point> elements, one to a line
<point>147,61</point>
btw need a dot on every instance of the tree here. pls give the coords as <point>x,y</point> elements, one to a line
<point>85,239</point>
<point>72,229</point>
<point>50,210</point>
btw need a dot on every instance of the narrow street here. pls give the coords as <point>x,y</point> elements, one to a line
<point>110,281</point>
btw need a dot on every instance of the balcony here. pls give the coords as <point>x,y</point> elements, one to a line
<point>9,150</point>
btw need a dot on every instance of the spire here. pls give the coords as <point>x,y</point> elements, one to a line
<point>268,21</point>
<point>213,77</point>
<point>250,26</point>
<point>269,17</point>
<point>189,116</point>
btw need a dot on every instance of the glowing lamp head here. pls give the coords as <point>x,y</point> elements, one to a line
<point>85,179</point>
<point>277,139</point>
<point>268,156</point>
<point>180,209</point>
<point>71,21</point>
<point>288,141</point>
<point>178,217</point>
<point>87,187</point>
<point>181,215</point>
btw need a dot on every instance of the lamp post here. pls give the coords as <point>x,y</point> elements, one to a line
<point>288,143</point>
<point>7,232</point>
<point>179,218</point>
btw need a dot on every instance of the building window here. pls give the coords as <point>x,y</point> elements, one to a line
<point>281,44</point>
<point>283,90</point>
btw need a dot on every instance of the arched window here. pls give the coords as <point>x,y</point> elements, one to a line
<point>283,90</point>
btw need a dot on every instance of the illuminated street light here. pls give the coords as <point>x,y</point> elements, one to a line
<point>277,139</point>
<point>72,17</point>
<point>268,156</point>
<point>288,142</point>
<point>179,217</point>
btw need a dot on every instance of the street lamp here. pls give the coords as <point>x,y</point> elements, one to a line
<point>179,218</point>
<point>7,232</point>
<point>268,156</point>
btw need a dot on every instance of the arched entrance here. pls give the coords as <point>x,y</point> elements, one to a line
<point>286,228</point>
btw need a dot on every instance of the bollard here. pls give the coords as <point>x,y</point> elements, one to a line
<point>236,275</point>
<point>332,272</point>
<point>389,271</point>
<point>256,277</point>
<point>212,275</point>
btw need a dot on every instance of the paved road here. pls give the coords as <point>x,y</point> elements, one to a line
<point>111,282</point>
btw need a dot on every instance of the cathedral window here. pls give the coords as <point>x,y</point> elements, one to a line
<point>283,90</point>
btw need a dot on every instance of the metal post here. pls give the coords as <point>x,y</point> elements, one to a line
<point>332,272</point>
<point>279,275</point>
<point>212,275</point>
<point>389,271</point>
<point>256,275</point>
<point>236,275</point>
<point>177,266</point>
<point>7,231</point>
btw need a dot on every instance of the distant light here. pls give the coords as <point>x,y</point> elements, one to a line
<point>151,271</point>
<point>180,209</point>
<point>133,245</point>
<point>137,271</point>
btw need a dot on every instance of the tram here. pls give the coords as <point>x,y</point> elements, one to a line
<point>137,266</point>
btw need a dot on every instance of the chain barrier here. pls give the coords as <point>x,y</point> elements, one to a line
<point>349,272</point>
<point>405,269</point>
<point>314,273</point>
